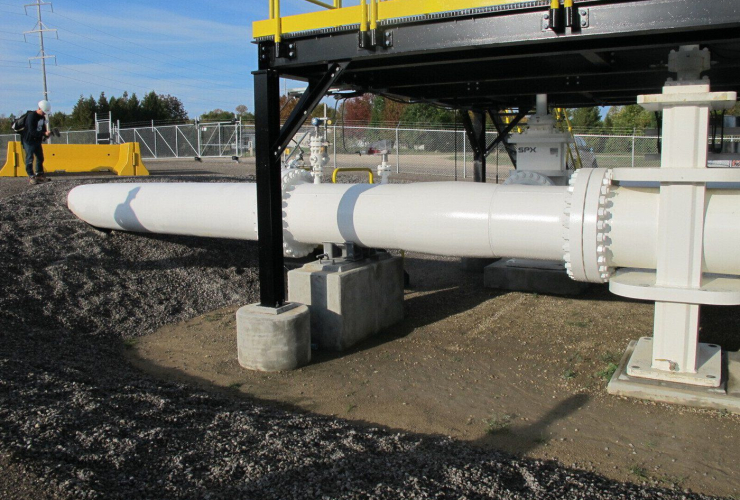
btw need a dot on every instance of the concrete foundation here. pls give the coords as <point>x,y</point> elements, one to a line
<point>349,301</point>
<point>272,340</point>
<point>725,397</point>
<point>527,275</point>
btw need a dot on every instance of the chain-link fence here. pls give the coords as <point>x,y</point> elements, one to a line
<point>416,151</point>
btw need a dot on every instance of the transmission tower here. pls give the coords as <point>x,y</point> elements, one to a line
<point>41,28</point>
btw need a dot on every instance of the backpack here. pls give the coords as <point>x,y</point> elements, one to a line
<point>19,124</point>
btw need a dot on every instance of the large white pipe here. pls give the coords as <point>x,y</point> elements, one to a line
<point>215,210</point>
<point>445,218</point>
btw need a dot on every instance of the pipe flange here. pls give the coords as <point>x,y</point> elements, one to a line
<point>291,178</point>
<point>525,178</point>
<point>586,226</point>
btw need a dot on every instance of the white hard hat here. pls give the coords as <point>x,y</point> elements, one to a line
<point>45,106</point>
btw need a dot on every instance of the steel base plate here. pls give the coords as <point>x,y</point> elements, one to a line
<point>708,374</point>
<point>725,397</point>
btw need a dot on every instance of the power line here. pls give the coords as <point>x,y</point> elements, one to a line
<point>16,13</point>
<point>148,48</point>
<point>210,84</point>
<point>40,28</point>
<point>134,85</point>
<point>142,75</point>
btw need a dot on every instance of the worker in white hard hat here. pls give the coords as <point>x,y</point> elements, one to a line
<point>34,133</point>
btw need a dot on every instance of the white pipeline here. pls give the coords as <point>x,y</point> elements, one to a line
<point>444,218</point>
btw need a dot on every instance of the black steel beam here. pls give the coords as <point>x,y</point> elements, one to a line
<point>269,194</point>
<point>475,130</point>
<point>309,100</point>
<point>503,130</point>
<point>610,24</point>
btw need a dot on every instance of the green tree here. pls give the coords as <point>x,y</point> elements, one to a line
<point>103,106</point>
<point>627,118</point>
<point>152,107</point>
<point>585,119</point>
<point>83,113</point>
<point>133,108</point>
<point>427,113</point>
<point>217,115</point>
<point>172,108</point>
<point>5,122</point>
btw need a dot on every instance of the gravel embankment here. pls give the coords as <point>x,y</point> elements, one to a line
<point>74,414</point>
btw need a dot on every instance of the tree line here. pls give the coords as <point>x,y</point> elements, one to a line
<point>366,110</point>
<point>130,111</point>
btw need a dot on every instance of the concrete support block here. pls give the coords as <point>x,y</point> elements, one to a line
<point>535,276</point>
<point>349,301</point>
<point>272,340</point>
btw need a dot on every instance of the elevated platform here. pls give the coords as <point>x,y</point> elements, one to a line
<point>495,54</point>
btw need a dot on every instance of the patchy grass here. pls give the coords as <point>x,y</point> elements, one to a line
<point>351,407</point>
<point>609,357</point>
<point>676,482</point>
<point>498,423</point>
<point>130,343</point>
<point>569,374</point>
<point>639,471</point>
<point>607,372</point>
<point>235,385</point>
<point>542,439</point>
<point>579,324</point>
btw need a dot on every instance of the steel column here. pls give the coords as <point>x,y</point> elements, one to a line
<point>475,129</point>
<point>269,194</point>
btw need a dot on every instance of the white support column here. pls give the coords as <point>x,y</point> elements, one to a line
<point>674,353</point>
<point>681,231</point>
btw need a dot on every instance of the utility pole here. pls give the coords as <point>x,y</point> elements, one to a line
<point>41,28</point>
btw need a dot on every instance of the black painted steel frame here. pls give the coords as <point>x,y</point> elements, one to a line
<point>270,141</point>
<point>481,63</point>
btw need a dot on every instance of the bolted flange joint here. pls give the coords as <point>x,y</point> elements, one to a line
<point>586,217</point>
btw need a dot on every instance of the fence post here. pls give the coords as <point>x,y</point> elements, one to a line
<point>155,139</point>
<point>633,147</point>
<point>197,133</point>
<point>398,163</point>
<point>238,134</point>
<point>465,156</point>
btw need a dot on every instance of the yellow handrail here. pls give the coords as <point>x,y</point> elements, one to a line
<point>363,15</point>
<point>369,14</point>
<point>351,169</point>
<point>560,113</point>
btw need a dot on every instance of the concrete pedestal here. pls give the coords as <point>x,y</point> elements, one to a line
<point>272,340</point>
<point>349,301</point>
<point>535,276</point>
<point>725,397</point>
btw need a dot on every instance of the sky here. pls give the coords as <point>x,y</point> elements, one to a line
<point>200,51</point>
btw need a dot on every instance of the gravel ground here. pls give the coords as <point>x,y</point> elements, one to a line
<point>73,413</point>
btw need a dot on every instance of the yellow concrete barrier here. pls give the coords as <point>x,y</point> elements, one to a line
<point>123,159</point>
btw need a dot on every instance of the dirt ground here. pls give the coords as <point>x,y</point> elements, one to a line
<point>515,371</point>
<point>520,372</point>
